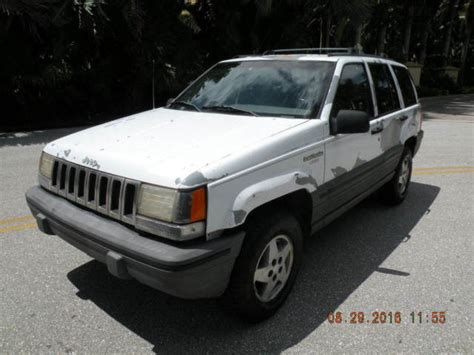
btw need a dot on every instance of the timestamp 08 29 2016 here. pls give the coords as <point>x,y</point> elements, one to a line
<point>382,317</point>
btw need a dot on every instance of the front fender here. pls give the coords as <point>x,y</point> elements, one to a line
<point>269,190</point>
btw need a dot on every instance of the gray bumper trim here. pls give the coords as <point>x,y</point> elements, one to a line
<point>199,269</point>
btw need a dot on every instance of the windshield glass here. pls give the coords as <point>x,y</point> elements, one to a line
<point>263,88</point>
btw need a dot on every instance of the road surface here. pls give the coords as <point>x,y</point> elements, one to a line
<point>417,257</point>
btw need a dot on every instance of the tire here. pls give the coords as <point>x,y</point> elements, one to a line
<point>266,234</point>
<point>395,191</point>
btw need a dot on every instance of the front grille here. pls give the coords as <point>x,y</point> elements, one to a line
<point>105,193</point>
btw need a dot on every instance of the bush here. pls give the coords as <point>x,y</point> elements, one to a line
<point>425,91</point>
<point>434,82</point>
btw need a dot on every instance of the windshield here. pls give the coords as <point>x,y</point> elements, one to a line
<point>261,88</point>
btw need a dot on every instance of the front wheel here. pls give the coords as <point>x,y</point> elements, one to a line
<point>395,191</point>
<point>266,269</point>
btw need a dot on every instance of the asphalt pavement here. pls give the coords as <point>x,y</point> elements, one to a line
<point>383,263</point>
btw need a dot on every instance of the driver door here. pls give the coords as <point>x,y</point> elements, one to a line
<point>351,158</point>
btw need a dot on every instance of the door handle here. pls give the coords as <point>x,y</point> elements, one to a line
<point>377,130</point>
<point>403,118</point>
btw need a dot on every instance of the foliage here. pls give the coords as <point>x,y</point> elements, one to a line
<point>434,82</point>
<point>70,62</point>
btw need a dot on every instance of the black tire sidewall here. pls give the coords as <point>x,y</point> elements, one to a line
<point>401,195</point>
<point>260,231</point>
<point>390,193</point>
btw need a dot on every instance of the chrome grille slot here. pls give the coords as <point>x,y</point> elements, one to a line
<point>62,173</point>
<point>108,194</point>
<point>81,186</point>
<point>91,183</point>
<point>54,178</point>
<point>71,183</point>
<point>115,195</point>
<point>128,205</point>
<point>102,192</point>
<point>71,180</point>
<point>62,176</point>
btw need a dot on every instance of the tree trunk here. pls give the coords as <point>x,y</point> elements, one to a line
<point>327,30</point>
<point>407,32</point>
<point>465,50</point>
<point>425,32</point>
<point>453,7</point>
<point>381,39</point>
<point>357,36</point>
<point>340,31</point>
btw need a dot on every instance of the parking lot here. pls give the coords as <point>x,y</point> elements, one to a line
<point>416,257</point>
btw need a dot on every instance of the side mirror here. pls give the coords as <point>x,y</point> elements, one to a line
<point>169,101</point>
<point>350,121</point>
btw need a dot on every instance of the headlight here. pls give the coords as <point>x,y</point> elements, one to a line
<point>46,165</point>
<point>171,205</point>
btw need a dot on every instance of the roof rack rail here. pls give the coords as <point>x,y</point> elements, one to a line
<point>382,56</point>
<point>311,51</point>
<point>243,55</point>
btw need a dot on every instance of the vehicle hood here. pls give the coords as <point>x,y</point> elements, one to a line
<point>167,147</point>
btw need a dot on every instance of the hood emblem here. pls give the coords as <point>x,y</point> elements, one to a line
<point>91,162</point>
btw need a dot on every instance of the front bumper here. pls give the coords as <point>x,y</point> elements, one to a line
<point>199,269</point>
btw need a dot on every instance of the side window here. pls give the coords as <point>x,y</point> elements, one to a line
<point>353,91</point>
<point>385,89</point>
<point>406,85</point>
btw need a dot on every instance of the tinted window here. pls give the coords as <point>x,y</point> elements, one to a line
<point>267,88</point>
<point>353,91</point>
<point>406,86</point>
<point>385,90</point>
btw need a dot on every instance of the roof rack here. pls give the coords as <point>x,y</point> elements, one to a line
<point>334,51</point>
<point>243,55</point>
<point>383,56</point>
<point>350,51</point>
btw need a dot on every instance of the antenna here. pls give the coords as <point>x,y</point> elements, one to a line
<point>153,83</point>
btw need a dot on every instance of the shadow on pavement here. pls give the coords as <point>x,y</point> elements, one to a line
<point>437,107</point>
<point>337,261</point>
<point>35,137</point>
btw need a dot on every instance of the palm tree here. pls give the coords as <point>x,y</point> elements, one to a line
<point>428,11</point>
<point>451,16</point>
<point>382,15</point>
<point>468,25</point>
<point>407,30</point>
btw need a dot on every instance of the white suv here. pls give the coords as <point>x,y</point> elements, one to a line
<point>213,194</point>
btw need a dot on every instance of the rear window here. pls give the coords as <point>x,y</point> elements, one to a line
<point>385,89</point>
<point>406,85</point>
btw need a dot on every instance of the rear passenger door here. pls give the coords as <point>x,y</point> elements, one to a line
<point>386,126</point>
<point>410,116</point>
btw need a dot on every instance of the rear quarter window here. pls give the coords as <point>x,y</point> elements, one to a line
<point>406,85</point>
<point>385,89</point>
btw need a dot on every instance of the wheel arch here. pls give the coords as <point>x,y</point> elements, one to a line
<point>292,192</point>
<point>299,203</point>
<point>411,143</point>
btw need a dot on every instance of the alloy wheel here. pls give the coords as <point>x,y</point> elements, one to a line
<point>273,268</point>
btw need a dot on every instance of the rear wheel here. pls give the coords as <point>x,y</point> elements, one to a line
<point>395,191</point>
<point>266,269</point>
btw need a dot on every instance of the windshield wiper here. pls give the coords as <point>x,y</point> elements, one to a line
<point>223,108</point>
<point>184,103</point>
